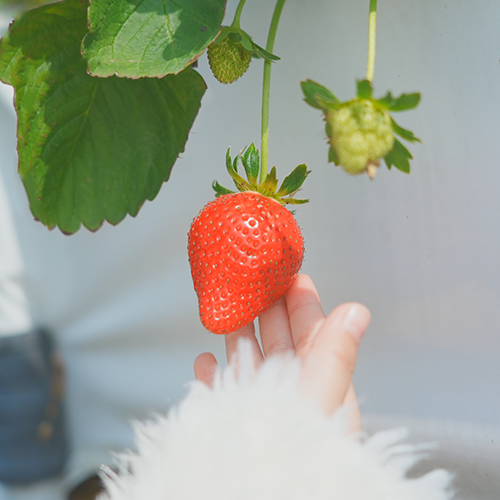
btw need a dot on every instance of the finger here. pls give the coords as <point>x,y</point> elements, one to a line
<point>305,313</point>
<point>329,365</point>
<point>205,367</point>
<point>248,333</point>
<point>351,401</point>
<point>275,333</point>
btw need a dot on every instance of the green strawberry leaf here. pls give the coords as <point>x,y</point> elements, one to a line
<point>251,163</point>
<point>90,149</point>
<point>292,182</point>
<point>399,156</point>
<point>137,38</point>
<point>319,97</point>
<point>365,89</point>
<point>404,133</point>
<point>401,103</point>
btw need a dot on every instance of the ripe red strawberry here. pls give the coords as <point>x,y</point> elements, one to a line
<point>245,249</point>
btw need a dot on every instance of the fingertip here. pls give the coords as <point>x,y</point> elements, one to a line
<point>304,280</point>
<point>356,319</point>
<point>205,367</point>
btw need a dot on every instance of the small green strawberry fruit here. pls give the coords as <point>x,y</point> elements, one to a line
<point>230,54</point>
<point>228,60</point>
<point>361,134</point>
<point>245,248</point>
<point>361,131</point>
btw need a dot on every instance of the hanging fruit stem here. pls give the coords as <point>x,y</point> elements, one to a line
<point>266,89</point>
<point>372,35</point>
<point>237,14</point>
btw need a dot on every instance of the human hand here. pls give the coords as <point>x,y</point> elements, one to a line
<point>327,345</point>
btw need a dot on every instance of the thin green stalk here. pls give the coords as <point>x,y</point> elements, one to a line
<point>237,14</point>
<point>372,35</point>
<point>266,89</point>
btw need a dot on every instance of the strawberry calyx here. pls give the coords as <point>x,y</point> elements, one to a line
<point>240,37</point>
<point>361,131</point>
<point>250,160</point>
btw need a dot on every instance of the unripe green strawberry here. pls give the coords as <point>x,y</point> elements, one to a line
<point>245,250</point>
<point>361,134</point>
<point>228,60</point>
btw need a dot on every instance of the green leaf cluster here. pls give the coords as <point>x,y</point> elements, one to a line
<point>250,159</point>
<point>20,5</point>
<point>93,146</point>
<point>322,98</point>
<point>138,38</point>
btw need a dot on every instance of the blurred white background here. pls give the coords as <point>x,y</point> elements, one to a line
<point>420,250</point>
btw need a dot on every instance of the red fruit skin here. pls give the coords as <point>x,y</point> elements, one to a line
<point>245,250</point>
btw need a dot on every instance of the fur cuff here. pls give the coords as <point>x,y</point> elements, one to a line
<point>254,437</point>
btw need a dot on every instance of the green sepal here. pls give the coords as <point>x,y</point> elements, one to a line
<point>246,41</point>
<point>264,54</point>
<point>223,33</point>
<point>292,182</point>
<point>237,35</point>
<point>268,187</point>
<point>250,158</point>
<point>319,97</point>
<point>401,103</point>
<point>365,89</point>
<point>251,162</point>
<point>295,201</point>
<point>241,184</point>
<point>399,156</point>
<point>220,190</point>
<point>332,156</point>
<point>404,133</point>
<point>229,161</point>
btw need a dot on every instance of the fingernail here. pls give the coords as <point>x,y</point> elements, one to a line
<point>356,320</point>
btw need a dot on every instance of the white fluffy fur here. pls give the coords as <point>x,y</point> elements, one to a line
<point>254,437</point>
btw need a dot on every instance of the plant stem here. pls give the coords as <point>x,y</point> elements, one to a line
<point>372,35</point>
<point>237,14</point>
<point>266,89</point>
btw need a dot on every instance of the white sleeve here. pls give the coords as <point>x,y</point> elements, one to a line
<point>253,436</point>
<point>14,312</point>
